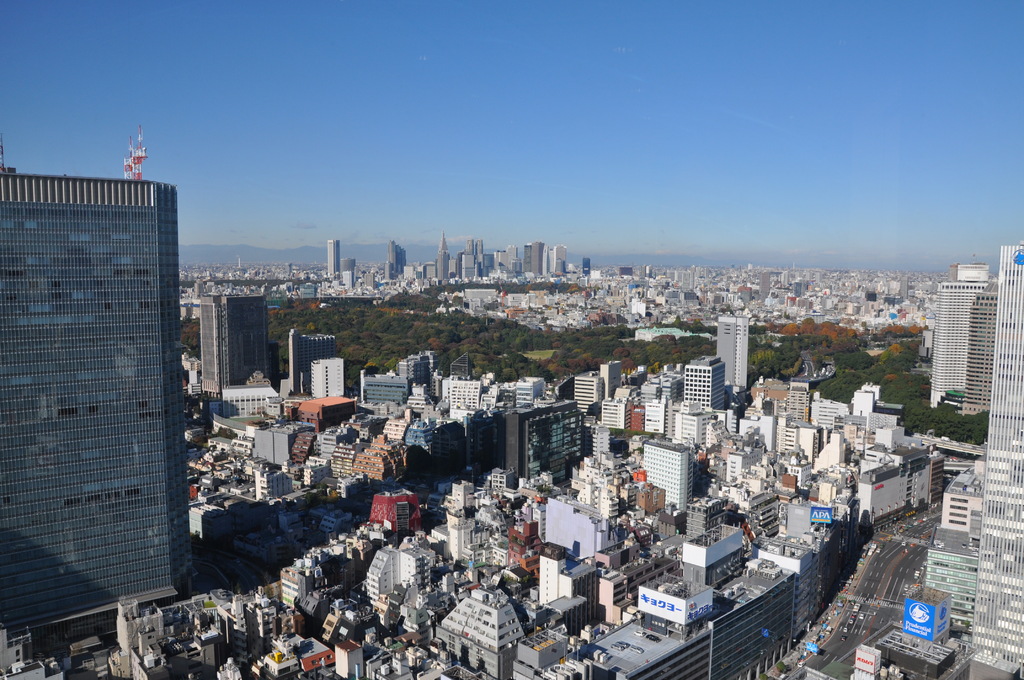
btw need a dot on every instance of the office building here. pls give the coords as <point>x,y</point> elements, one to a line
<point>670,467</point>
<point>952,567</point>
<point>981,336</point>
<point>999,616</point>
<point>303,350</point>
<point>754,632</point>
<point>529,390</point>
<point>383,388</point>
<point>327,378</point>
<point>347,266</point>
<point>93,493</point>
<point>418,368</point>
<point>333,259</point>
<point>395,264</point>
<point>557,256</point>
<point>952,322</point>
<point>461,367</point>
<point>233,340</point>
<point>765,286</point>
<point>547,438</point>
<point>611,374</point>
<point>533,258</point>
<point>588,389</point>
<point>585,266</point>
<point>704,382</point>
<point>733,333</point>
<point>650,650</point>
<point>482,633</point>
<point>443,261</point>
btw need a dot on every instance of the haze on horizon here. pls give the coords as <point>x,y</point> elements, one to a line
<point>874,135</point>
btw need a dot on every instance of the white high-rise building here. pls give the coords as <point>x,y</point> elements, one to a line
<point>327,377</point>
<point>529,390</point>
<point>952,323</point>
<point>999,607</point>
<point>333,259</point>
<point>588,390</point>
<point>704,382</point>
<point>670,467</point>
<point>611,373</point>
<point>733,334</point>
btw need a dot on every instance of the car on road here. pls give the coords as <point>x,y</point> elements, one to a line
<point>844,638</point>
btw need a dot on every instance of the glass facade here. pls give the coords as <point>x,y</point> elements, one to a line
<point>93,496</point>
<point>555,444</point>
<point>956,574</point>
<point>233,340</point>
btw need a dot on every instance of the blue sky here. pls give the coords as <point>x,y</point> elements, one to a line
<point>874,134</point>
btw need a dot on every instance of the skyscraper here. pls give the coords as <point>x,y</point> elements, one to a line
<point>733,335</point>
<point>93,495</point>
<point>333,259</point>
<point>981,336</point>
<point>558,255</point>
<point>533,258</point>
<point>396,261</point>
<point>999,607</point>
<point>443,259</point>
<point>233,339</point>
<point>705,382</point>
<point>765,287</point>
<point>952,317</point>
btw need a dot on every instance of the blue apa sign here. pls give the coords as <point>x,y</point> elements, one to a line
<point>821,515</point>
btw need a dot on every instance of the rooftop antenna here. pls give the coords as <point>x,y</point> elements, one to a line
<point>133,161</point>
<point>3,168</point>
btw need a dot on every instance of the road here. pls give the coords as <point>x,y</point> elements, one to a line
<point>878,586</point>
<point>226,570</point>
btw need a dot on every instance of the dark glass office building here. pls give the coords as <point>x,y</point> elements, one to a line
<point>93,496</point>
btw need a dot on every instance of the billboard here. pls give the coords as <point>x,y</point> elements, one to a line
<point>673,608</point>
<point>821,515</point>
<point>926,621</point>
<point>867,659</point>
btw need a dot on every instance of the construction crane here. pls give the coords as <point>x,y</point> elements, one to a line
<point>133,161</point>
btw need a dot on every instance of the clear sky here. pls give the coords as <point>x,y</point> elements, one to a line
<point>886,134</point>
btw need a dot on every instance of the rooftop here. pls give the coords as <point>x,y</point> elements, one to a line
<point>954,541</point>
<point>911,645</point>
<point>630,647</point>
<point>967,483</point>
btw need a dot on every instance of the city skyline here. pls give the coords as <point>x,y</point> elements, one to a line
<point>808,134</point>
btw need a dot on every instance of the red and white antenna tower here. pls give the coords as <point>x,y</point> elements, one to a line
<point>133,161</point>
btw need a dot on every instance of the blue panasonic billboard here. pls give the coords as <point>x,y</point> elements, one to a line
<point>821,515</point>
<point>924,620</point>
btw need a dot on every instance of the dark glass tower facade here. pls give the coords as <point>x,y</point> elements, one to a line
<point>93,495</point>
<point>233,340</point>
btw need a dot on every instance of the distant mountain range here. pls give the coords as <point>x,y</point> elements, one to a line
<point>375,252</point>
